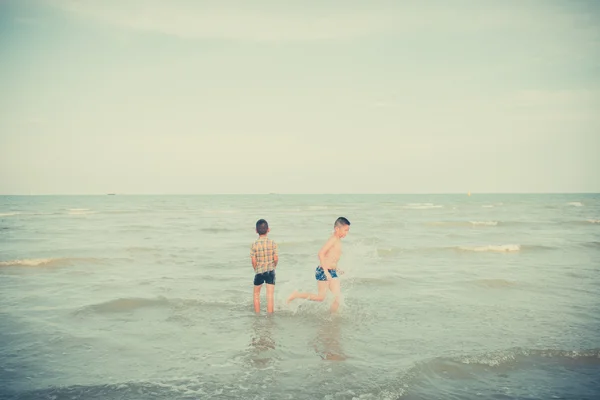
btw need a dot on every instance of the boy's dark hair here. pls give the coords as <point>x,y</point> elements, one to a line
<point>341,221</point>
<point>262,226</point>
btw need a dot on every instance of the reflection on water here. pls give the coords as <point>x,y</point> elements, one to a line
<point>262,345</point>
<point>328,340</point>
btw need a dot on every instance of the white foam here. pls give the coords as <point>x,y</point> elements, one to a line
<point>33,262</point>
<point>490,360</point>
<point>594,221</point>
<point>576,204</point>
<point>46,262</point>
<point>487,206</point>
<point>484,223</point>
<point>505,248</point>
<point>421,206</point>
<point>10,214</point>
<point>80,211</point>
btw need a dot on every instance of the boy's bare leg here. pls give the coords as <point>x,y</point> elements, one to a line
<point>270,298</point>
<point>334,286</point>
<point>257,298</point>
<point>322,286</point>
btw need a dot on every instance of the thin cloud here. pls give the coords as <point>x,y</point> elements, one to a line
<point>195,22</point>
<point>202,20</point>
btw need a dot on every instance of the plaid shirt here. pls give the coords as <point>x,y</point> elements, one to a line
<point>265,250</point>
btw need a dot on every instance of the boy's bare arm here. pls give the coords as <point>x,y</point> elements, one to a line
<point>254,262</point>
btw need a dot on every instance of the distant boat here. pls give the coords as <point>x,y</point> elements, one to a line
<point>111,194</point>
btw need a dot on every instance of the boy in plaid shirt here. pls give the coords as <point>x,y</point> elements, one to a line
<point>264,260</point>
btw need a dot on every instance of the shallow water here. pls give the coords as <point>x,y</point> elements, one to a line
<point>445,296</point>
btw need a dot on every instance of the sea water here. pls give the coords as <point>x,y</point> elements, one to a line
<point>444,297</point>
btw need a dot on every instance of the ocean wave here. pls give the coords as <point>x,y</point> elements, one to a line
<point>26,214</point>
<point>130,304</point>
<point>48,262</point>
<point>504,248</point>
<point>493,283</point>
<point>385,252</point>
<point>390,252</point>
<point>498,358</point>
<point>576,204</point>
<point>140,249</point>
<point>121,211</point>
<point>593,245</point>
<point>497,362</point>
<point>125,305</point>
<point>362,281</point>
<point>139,227</point>
<point>421,206</point>
<point>464,377</point>
<point>80,211</point>
<point>578,222</point>
<point>484,223</point>
<point>511,223</point>
<point>449,224</point>
<point>457,224</point>
<point>244,387</point>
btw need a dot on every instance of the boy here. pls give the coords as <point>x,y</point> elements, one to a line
<point>326,273</point>
<point>264,260</point>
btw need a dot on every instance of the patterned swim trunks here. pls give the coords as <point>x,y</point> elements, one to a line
<point>320,274</point>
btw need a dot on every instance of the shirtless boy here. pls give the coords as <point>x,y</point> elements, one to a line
<point>327,272</point>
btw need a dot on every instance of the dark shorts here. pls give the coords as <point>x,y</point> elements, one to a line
<point>320,274</point>
<point>265,277</point>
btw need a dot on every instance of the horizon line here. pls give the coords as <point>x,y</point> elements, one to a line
<point>289,194</point>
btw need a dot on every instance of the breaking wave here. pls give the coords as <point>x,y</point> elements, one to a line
<point>504,248</point>
<point>437,377</point>
<point>129,304</point>
<point>80,211</point>
<point>48,262</point>
<point>457,224</point>
<point>493,283</point>
<point>421,206</point>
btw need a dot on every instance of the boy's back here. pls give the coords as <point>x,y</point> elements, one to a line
<point>263,253</point>
<point>264,250</point>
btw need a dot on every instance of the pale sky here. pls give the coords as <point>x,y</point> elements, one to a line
<point>161,97</point>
